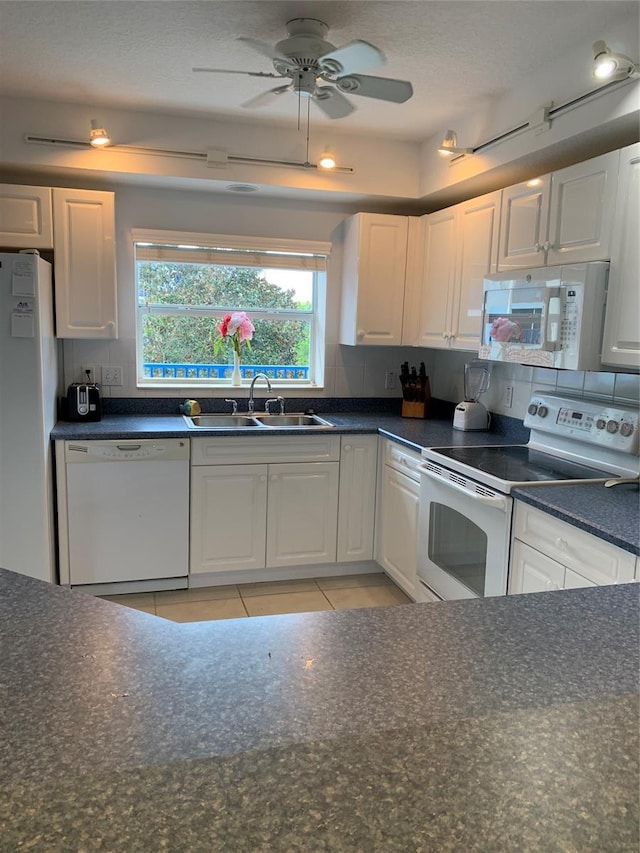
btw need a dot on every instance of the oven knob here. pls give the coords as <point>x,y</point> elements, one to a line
<point>612,426</point>
<point>626,430</point>
<point>543,411</point>
<point>532,409</point>
<point>601,423</point>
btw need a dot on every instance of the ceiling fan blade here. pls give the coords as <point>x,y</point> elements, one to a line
<point>332,103</point>
<point>263,48</point>
<point>265,98</point>
<point>229,71</point>
<point>351,57</point>
<point>382,88</point>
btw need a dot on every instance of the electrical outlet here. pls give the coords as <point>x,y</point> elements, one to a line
<point>91,368</point>
<point>111,374</point>
<point>390,380</point>
<point>508,396</point>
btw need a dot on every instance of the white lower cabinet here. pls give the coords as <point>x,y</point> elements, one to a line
<point>550,554</point>
<point>397,517</point>
<point>263,503</point>
<point>357,497</point>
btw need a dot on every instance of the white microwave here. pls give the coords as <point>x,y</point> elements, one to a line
<point>547,317</point>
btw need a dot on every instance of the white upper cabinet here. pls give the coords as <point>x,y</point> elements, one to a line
<point>80,227</point>
<point>85,275</point>
<point>560,218</point>
<point>460,248</point>
<point>374,272</point>
<point>25,217</point>
<point>622,323</point>
<point>524,223</point>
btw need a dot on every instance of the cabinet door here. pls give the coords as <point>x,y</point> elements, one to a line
<point>622,323</point>
<point>531,571</point>
<point>228,517</point>
<point>438,278</point>
<point>302,513</point>
<point>582,207</point>
<point>398,534</point>
<point>356,500</point>
<point>25,217</point>
<point>84,237</point>
<point>477,255</point>
<point>374,267</point>
<point>524,223</point>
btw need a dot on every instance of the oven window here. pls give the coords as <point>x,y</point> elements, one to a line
<point>458,546</point>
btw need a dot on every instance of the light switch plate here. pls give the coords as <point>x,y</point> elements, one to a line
<point>111,374</point>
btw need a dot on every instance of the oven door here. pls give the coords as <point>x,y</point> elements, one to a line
<point>463,535</point>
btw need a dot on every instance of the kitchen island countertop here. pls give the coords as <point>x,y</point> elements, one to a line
<point>501,724</point>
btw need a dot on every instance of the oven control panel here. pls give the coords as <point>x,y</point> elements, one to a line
<point>600,423</point>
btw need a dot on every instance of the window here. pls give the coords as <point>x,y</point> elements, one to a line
<point>186,283</point>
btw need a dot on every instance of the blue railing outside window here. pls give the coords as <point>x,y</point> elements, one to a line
<point>222,371</point>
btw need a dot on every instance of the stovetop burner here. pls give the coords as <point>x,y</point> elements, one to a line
<point>521,464</point>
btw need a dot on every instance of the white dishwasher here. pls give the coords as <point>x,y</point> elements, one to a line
<point>127,510</point>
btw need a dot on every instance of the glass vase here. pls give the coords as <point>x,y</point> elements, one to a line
<point>236,376</point>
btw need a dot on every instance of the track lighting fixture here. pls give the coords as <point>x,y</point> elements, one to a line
<point>327,161</point>
<point>449,145</point>
<point>610,66</point>
<point>98,137</point>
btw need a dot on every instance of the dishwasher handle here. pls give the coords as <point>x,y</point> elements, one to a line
<point>117,450</point>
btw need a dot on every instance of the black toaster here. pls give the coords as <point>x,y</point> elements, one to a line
<point>83,402</point>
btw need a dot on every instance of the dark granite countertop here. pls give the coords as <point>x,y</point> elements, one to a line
<point>504,724</point>
<point>414,432</point>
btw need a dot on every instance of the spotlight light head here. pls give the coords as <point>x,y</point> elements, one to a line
<point>327,161</point>
<point>98,136</point>
<point>449,145</point>
<point>609,66</point>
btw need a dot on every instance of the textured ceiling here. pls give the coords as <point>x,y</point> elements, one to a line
<point>139,55</point>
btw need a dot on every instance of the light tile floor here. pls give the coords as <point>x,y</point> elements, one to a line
<point>267,599</point>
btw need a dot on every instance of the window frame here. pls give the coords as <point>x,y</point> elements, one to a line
<point>257,245</point>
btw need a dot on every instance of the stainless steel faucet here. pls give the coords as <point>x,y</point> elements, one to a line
<point>253,382</point>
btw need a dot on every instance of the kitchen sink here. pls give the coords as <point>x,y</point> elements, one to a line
<point>221,421</point>
<point>258,421</point>
<point>294,420</point>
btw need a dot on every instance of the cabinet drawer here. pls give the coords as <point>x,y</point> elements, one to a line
<point>228,450</point>
<point>592,558</point>
<point>402,459</point>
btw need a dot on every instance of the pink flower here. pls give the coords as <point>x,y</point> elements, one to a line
<point>236,329</point>
<point>240,325</point>
<point>504,330</point>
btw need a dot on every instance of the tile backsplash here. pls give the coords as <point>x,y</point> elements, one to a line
<point>361,372</point>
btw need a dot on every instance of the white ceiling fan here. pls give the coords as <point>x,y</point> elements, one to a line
<point>306,61</point>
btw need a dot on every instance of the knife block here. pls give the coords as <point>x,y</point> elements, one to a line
<point>414,410</point>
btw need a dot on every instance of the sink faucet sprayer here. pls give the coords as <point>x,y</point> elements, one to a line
<point>253,382</point>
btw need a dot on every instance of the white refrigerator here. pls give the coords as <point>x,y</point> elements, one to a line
<point>28,392</point>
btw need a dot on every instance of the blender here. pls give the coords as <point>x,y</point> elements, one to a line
<point>470,414</point>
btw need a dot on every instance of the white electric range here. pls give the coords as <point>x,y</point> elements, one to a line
<point>465,492</point>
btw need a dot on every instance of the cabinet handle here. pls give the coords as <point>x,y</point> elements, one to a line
<point>561,544</point>
<point>360,334</point>
<point>537,247</point>
<point>347,448</point>
<point>274,478</point>
<point>263,478</point>
<point>547,246</point>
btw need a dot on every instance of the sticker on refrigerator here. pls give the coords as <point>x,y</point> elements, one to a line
<point>22,319</point>
<point>23,280</point>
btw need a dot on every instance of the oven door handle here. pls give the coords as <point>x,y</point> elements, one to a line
<point>500,502</point>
